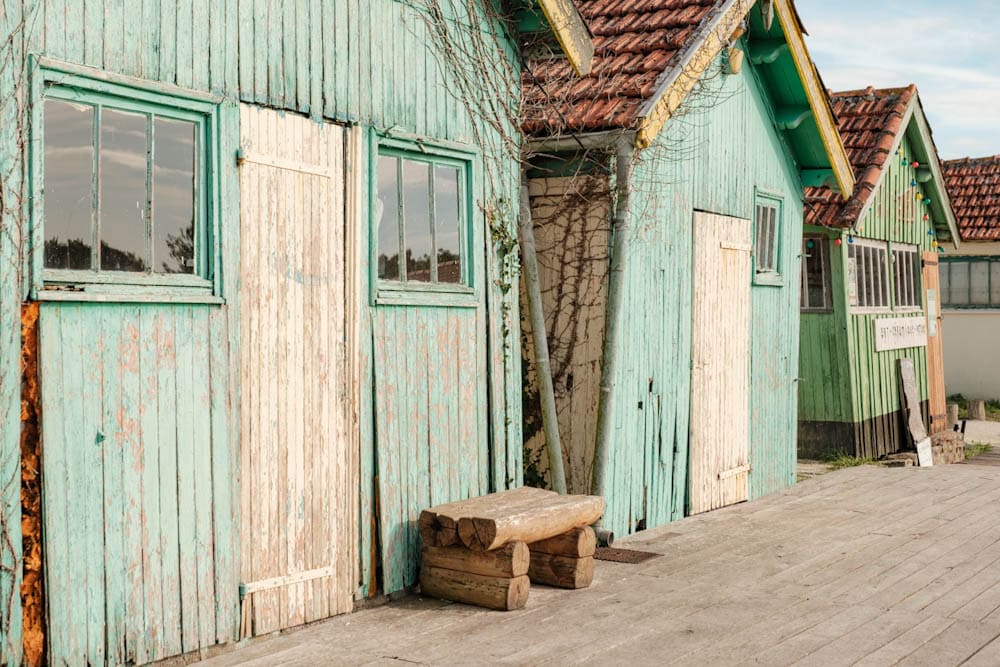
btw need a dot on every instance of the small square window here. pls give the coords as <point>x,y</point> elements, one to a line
<point>767,240</point>
<point>815,289</point>
<point>421,221</point>
<point>123,174</point>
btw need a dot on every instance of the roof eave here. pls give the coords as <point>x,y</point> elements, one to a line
<point>681,79</point>
<point>571,32</point>
<point>819,102</point>
<point>941,199</point>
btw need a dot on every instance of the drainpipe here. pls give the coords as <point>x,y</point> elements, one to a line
<point>613,323</point>
<point>543,372</point>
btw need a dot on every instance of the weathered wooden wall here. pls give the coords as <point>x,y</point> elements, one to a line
<point>299,453</point>
<point>845,381</point>
<point>710,159</point>
<point>139,539</point>
<point>370,63</point>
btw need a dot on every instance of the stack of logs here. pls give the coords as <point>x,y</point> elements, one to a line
<point>487,550</point>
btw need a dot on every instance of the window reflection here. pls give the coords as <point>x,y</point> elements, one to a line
<point>388,219</point>
<point>124,244</point>
<point>417,214</point>
<point>173,195</point>
<point>447,218</point>
<point>69,179</point>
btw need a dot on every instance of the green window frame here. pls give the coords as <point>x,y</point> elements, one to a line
<point>190,275</point>
<point>767,247</point>
<point>816,293</point>
<point>970,282</point>
<point>421,200</point>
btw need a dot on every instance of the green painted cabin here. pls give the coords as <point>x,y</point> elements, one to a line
<point>866,263</point>
<point>247,389</point>
<point>692,198</point>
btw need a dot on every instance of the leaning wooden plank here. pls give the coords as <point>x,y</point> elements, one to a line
<point>533,523</point>
<point>511,560</point>
<point>578,543</point>
<point>561,571</point>
<point>501,593</point>
<point>439,525</point>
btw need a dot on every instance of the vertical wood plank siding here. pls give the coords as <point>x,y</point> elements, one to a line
<point>844,380</point>
<point>711,158</point>
<point>132,525</point>
<point>367,62</point>
<point>299,462</point>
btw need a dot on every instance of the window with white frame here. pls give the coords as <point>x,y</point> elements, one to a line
<point>767,235</point>
<point>422,219</point>
<point>124,174</point>
<point>970,282</point>
<point>816,295</point>
<point>906,275</point>
<point>868,274</point>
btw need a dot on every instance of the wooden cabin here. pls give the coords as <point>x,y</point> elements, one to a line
<point>970,280</point>
<point>254,259</point>
<point>869,291</point>
<point>665,203</point>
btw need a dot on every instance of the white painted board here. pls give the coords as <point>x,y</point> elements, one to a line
<point>896,333</point>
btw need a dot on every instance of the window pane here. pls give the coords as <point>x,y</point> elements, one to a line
<point>124,241</point>
<point>447,215</point>
<point>980,277</point>
<point>69,178</point>
<point>417,220</point>
<point>173,195</point>
<point>943,272</point>
<point>772,252</point>
<point>816,273</point>
<point>995,283</point>
<point>959,281</point>
<point>387,215</point>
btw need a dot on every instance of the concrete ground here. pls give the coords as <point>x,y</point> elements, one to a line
<point>868,565</point>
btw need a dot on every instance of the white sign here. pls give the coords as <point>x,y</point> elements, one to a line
<point>932,311</point>
<point>925,453</point>
<point>895,333</point>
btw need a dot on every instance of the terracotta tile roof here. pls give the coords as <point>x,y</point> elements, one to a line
<point>869,121</point>
<point>635,43</point>
<point>974,188</point>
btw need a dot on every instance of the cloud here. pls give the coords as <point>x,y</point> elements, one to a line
<point>945,48</point>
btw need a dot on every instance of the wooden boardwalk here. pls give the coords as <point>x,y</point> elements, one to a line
<point>870,565</point>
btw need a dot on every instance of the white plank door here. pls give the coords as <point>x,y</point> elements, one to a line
<point>299,457</point>
<point>720,372</point>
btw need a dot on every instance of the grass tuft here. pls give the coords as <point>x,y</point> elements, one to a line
<point>842,461</point>
<point>977,448</point>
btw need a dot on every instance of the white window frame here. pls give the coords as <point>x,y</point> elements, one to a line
<point>821,245</point>
<point>873,255</point>
<point>906,276</point>
<point>767,240</point>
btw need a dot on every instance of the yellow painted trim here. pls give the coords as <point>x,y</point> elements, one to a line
<point>818,100</point>
<point>684,83</point>
<point>571,33</point>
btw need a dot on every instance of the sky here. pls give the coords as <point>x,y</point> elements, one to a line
<point>946,47</point>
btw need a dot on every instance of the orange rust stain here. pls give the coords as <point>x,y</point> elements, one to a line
<point>32,594</point>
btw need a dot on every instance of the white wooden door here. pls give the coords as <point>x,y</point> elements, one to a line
<point>720,354</point>
<point>299,456</point>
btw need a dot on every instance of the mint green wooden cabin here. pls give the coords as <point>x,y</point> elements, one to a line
<point>866,263</point>
<point>668,228</point>
<point>246,394</point>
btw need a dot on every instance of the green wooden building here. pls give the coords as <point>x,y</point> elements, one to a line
<point>666,211</point>
<point>254,257</point>
<point>869,292</point>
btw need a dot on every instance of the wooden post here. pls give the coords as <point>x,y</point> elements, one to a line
<point>561,571</point>
<point>977,409</point>
<point>952,415</point>
<point>510,560</point>
<point>499,593</point>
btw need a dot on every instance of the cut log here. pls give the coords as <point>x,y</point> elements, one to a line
<point>439,524</point>
<point>511,560</point>
<point>561,571</point>
<point>540,520</point>
<point>499,593</point>
<point>578,543</point>
<point>977,409</point>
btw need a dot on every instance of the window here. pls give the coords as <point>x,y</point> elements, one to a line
<point>868,274</point>
<point>123,173</point>
<point>767,239</point>
<point>816,293</point>
<point>970,282</point>
<point>421,217</point>
<point>906,274</point>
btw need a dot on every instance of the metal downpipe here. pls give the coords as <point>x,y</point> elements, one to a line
<point>613,323</point>
<point>543,372</point>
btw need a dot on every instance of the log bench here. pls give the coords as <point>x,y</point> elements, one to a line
<point>487,550</point>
